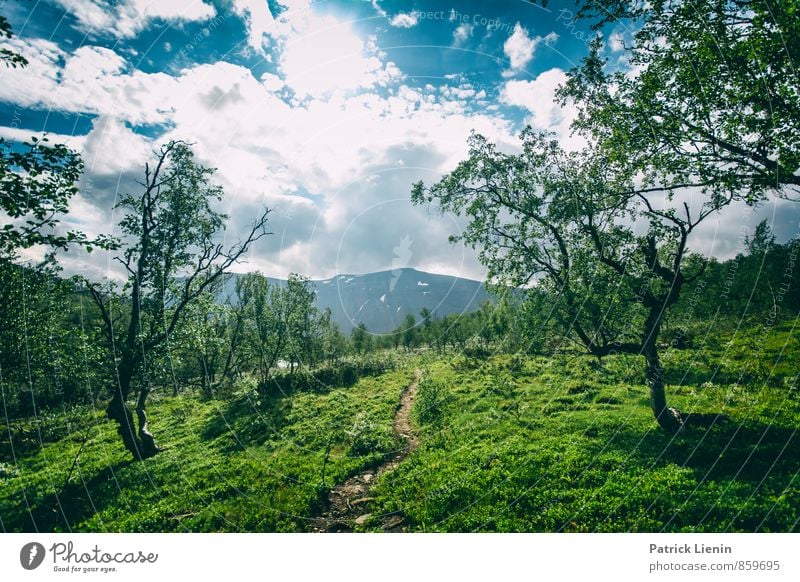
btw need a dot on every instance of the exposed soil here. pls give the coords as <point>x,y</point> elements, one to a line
<point>349,502</point>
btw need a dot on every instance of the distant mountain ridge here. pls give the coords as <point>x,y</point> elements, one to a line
<point>382,300</point>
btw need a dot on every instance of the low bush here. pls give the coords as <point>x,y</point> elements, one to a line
<point>432,400</point>
<point>369,435</point>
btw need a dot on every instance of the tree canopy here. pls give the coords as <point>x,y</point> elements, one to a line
<point>704,113</point>
<point>707,94</point>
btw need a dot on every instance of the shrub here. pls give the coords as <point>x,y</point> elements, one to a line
<point>463,363</point>
<point>517,363</point>
<point>432,400</point>
<point>330,376</point>
<point>476,350</point>
<point>500,383</point>
<point>369,435</point>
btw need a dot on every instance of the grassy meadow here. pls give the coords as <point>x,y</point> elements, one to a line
<point>509,443</point>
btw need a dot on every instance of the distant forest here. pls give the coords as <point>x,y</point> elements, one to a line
<point>53,345</point>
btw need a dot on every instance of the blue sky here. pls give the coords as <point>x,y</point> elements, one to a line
<point>325,111</point>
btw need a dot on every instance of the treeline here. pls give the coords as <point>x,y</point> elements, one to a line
<point>759,284</point>
<point>53,350</point>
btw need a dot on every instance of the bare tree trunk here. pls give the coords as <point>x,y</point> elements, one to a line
<point>118,411</point>
<point>669,419</point>
<point>146,438</point>
<point>206,382</point>
<point>141,445</point>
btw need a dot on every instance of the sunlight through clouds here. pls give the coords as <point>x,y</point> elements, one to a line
<point>304,104</point>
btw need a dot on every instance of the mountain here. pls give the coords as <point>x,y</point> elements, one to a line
<point>382,300</point>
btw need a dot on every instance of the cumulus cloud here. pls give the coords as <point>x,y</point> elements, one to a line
<point>463,91</point>
<point>355,157</point>
<point>538,98</point>
<point>111,148</point>
<point>316,53</point>
<point>126,18</point>
<point>90,80</point>
<point>319,163</point>
<point>259,22</point>
<point>462,33</point>
<point>24,135</point>
<point>328,56</point>
<point>520,47</point>
<point>405,19</point>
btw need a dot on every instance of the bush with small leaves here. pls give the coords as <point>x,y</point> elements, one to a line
<point>432,400</point>
<point>369,435</point>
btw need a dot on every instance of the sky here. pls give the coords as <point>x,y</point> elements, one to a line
<point>324,111</point>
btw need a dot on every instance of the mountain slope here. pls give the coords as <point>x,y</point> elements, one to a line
<point>383,300</point>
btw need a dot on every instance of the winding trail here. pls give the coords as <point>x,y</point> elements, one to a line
<point>348,502</point>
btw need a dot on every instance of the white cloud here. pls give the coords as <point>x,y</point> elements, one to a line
<point>272,83</point>
<point>89,63</point>
<point>616,42</point>
<point>378,8</point>
<point>112,148</point>
<point>259,22</point>
<point>462,33</point>
<point>317,54</point>
<point>320,165</point>
<point>538,97</point>
<point>352,153</point>
<point>405,20</point>
<point>520,47</point>
<point>328,57</point>
<point>24,135</point>
<point>126,18</point>
<point>321,162</point>
<point>462,92</point>
<point>91,80</point>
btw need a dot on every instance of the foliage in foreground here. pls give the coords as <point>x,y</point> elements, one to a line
<point>249,464</point>
<point>567,445</point>
<point>514,443</point>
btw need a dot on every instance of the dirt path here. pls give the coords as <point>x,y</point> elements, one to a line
<point>348,503</point>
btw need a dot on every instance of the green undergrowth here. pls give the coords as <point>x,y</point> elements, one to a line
<point>506,443</point>
<point>248,464</point>
<point>569,444</point>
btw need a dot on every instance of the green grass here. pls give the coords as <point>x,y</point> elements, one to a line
<point>244,465</point>
<point>507,444</point>
<point>565,445</point>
